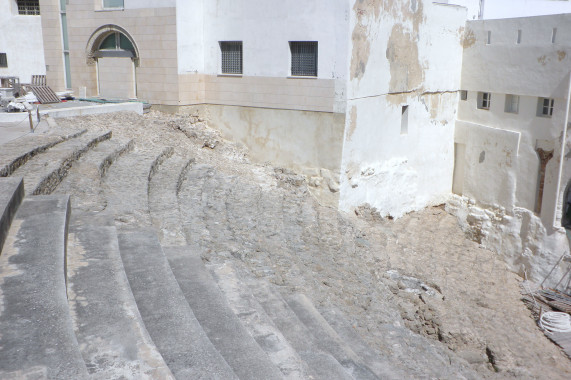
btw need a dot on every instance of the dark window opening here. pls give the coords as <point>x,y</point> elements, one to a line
<point>303,58</point>
<point>231,57</point>
<point>28,7</point>
<point>3,60</point>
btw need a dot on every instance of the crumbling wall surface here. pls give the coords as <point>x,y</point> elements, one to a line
<point>21,40</point>
<point>528,248</point>
<point>404,73</point>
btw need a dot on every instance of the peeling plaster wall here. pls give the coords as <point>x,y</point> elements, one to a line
<point>499,68</point>
<point>401,53</point>
<point>21,40</point>
<point>500,177</point>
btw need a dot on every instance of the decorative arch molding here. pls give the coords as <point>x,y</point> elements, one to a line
<point>100,34</point>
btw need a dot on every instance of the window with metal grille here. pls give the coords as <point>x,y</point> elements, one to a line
<point>303,58</point>
<point>231,57</point>
<point>28,7</point>
<point>545,107</point>
<point>3,60</point>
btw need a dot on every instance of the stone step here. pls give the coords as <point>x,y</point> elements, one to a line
<point>257,322</point>
<point>11,195</point>
<point>126,184</point>
<point>111,334</point>
<point>16,153</point>
<point>224,329</point>
<point>321,364</point>
<point>190,202</point>
<point>43,173</point>
<point>166,313</point>
<point>84,177</point>
<point>163,203</point>
<point>326,337</point>
<point>37,329</point>
<point>380,366</point>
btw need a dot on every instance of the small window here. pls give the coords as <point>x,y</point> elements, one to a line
<point>28,7</point>
<point>545,107</point>
<point>231,52</point>
<point>518,41</point>
<point>109,4</point>
<point>3,60</point>
<point>489,37</point>
<point>404,120</point>
<point>116,45</point>
<point>303,58</point>
<point>463,95</point>
<point>512,104</point>
<point>484,100</point>
<point>553,35</point>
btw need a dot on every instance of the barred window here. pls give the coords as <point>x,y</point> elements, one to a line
<point>231,57</point>
<point>112,4</point>
<point>303,58</point>
<point>28,7</point>
<point>3,60</point>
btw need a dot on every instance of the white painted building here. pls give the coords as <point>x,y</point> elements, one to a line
<point>21,45</point>
<point>510,134</point>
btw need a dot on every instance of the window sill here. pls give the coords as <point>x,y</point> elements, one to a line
<point>301,77</point>
<point>109,9</point>
<point>230,75</point>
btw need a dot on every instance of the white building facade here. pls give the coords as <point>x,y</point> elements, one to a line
<point>21,45</point>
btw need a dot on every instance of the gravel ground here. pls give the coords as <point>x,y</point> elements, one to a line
<point>415,288</point>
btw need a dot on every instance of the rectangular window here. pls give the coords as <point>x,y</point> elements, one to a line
<point>484,100</point>
<point>3,60</point>
<point>303,58</point>
<point>463,95</point>
<point>545,107</point>
<point>112,4</point>
<point>512,103</point>
<point>489,37</point>
<point>518,41</point>
<point>231,52</point>
<point>404,121</point>
<point>28,7</point>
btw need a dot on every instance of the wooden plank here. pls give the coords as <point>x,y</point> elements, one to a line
<point>45,94</point>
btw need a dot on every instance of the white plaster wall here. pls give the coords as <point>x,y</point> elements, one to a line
<point>401,54</point>
<point>534,68</point>
<point>473,7</point>
<point>496,9</point>
<point>190,36</point>
<point>21,39</point>
<point>266,27</point>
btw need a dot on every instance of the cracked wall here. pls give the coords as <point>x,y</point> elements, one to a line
<point>403,53</point>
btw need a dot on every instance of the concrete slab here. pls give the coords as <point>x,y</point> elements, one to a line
<point>168,317</point>
<point>112,336</point>
<point>136,107</point>
<point>11,195</point>
<point>37,329</point>
<point>221,325</point>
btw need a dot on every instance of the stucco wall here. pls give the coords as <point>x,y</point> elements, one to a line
<point>21,40</point>
<point>401,54</point>
<point>265,29</point>
<point>533,68</point>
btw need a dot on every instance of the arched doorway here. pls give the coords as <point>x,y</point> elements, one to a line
<point>116,58</point>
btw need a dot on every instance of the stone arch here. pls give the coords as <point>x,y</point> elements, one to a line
<point>100,34</point>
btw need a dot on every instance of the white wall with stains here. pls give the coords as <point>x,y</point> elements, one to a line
<point>21,40</point>
<point>497,173</point>
<point>401,54</point>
